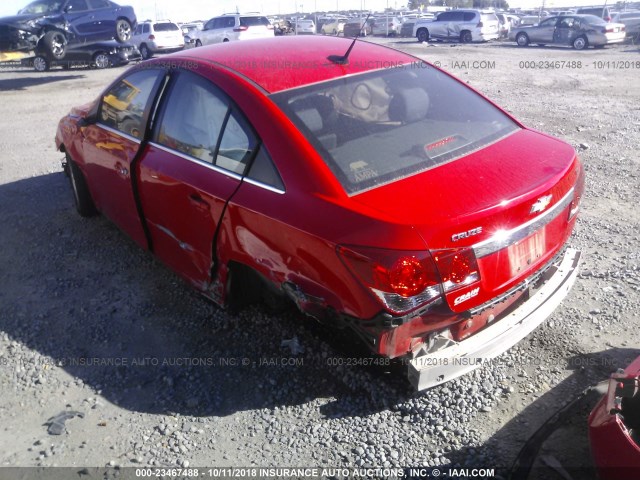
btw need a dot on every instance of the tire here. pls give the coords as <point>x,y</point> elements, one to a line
<point>146,53</point>
<point>522,39</point>
<point>335,32</point>
<point>198,43</point>
<point>101,60</point>
<point>225,40</point>
<point>541,44</point>
<point>82,197</point>
<point>599,47</point>
<point>466,37</point>
<point>55,44</point>
<point>580,43</point>
<point>123,30</point>
<point>422,35</point>
<point>41,64</point>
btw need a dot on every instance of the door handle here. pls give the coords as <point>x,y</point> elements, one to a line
<point>198,200</point>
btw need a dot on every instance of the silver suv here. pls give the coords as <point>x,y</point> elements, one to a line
<point>463,25</point>
<point>155,37</point>
<point>233,26</point>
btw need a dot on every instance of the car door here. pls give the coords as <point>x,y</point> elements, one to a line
<point>111,146</point>
<point>104,26</point>
<point>200,148</point>
<point>80,19</point>
<point>565,31</point>
<point>544,32</point>
<point>208,34</point>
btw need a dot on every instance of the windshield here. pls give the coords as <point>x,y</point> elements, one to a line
<point>42,7</point>
<point>376,128</point>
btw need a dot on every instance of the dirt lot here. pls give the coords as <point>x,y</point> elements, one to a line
<point>76,293</point>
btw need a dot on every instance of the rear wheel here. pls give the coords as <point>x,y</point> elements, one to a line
<point>422,35</point>
<point>198,43</point>
<point>580,43</point>
<point>55,43</point>
<point>145,52</point>
<point>465,37</point>
<point>598,46</point>
<point>84,202</point>
<point>123,30</point>
<point>41,64</point>
<point>101,60</point>
<point>522,40</point>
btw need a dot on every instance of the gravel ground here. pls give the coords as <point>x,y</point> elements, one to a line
<point>150,374</point>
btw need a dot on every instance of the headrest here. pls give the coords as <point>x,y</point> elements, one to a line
<point>409,105</point>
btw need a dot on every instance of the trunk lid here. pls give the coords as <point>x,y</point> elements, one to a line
<point>509,202</point>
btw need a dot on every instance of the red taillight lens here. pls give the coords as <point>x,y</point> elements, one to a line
<point>152,37</point>
<point>401,280</point>
<point>458,268</point>
<point>241,28</point>
<point>407,277</point>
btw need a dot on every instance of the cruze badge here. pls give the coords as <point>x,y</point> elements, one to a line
<point>541,204</point>
<point>467,234</point>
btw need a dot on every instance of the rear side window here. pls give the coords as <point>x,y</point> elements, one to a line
<point>469,16</point>
<point>95,4</point>
<point>165,27</point>
<point>253,21</point>
<point>124,105</point>
<point>379,127</point>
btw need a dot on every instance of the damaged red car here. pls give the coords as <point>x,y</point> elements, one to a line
<point>378,193</point>
<point>614,427</point>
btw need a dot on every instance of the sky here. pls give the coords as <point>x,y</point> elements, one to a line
<point>185,10</point>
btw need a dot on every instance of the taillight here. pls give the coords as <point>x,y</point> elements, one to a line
<point>607,19</point>
<point>401,280</point>
<point>577,194</point>
<point>458,268</point>
<point>241,28</point>
<point>152,37</point>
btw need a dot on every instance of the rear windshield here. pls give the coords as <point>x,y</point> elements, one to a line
<point>593,20</point>
<point>253,21</point>
<point>379,127</point>
<point>165,27</point>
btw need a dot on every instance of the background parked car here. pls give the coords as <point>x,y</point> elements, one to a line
<point>578,31</point>
<point>386,25</point>
<point>188,32</point>
<point>155,37</point>
<point>50,25</point>
<point>631,21</point>
<point>334,26</point>
<point>463,25</point>
<point>507,22</point>
<point>355,27</point>
<point>97,54</point>
<point>305,27</point>
<point>234,26</point>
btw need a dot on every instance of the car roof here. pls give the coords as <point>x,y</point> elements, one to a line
<point>282,63</point>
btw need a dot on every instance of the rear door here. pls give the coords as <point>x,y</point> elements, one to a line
<point>200,148</point>
<point>112,144</point>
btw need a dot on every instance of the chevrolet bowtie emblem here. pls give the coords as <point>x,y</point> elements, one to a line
<point>540,204</point>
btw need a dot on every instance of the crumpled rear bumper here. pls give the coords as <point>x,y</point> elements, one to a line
<point>437,367</point>
<point>15,40</point>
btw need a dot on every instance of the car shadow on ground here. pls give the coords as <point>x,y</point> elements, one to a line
<point>90,301</point>
<point>563,452</point>
<point>22,83</point>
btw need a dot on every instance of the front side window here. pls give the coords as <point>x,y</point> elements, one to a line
<point>379,127</point>
<point>123,106</point>
<point>96,4</point>
<point>198,120</point>
<point>193,118</point>
<point>549,22</point>
<point>76,6</point>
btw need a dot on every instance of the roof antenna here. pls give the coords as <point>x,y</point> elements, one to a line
<point>344,59</point>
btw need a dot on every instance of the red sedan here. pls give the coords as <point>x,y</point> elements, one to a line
<point>375,191</point>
